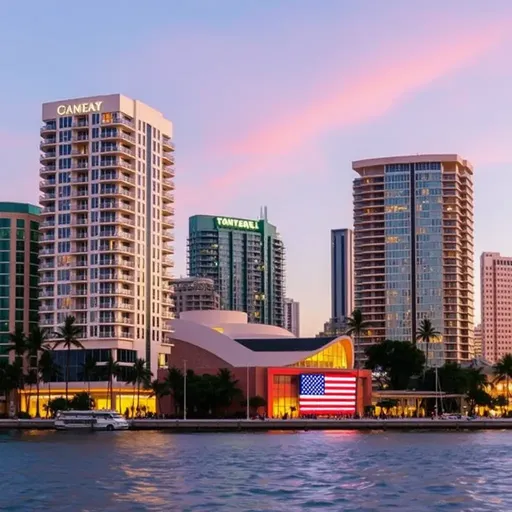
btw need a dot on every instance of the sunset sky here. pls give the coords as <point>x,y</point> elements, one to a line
<point>272,100</point>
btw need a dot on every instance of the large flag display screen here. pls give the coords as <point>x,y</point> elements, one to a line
<point>327,394</point>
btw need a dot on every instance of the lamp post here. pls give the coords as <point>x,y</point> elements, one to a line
<point>247,393</point>
<point>184,389</point>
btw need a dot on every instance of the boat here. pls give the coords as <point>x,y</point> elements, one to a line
<point>92,420</point>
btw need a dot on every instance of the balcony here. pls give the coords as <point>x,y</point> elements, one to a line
<point>47,223</point>
<point>168,197</point>
<point>49,127</point>
<point>80,123</point>
<point>167,143</point>
<point>47,168</point>
<point>49,209</point>
<point>47,183</point>
<point>118,120</point>
<point>81,137</point>
<point>80,152</point>
<point>114,176</point>
<point>49,155</point>
<point>117,205</point>
<point>79,165</point>
<point>168,184</point>
<point>117,148</point>
<point>49,196</point>
<point>49,141</point>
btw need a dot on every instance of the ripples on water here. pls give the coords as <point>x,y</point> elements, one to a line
<point>331,471</point>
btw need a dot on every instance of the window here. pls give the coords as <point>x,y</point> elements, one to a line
<point>95,119</point>
<point>95,133</point>
<point>65,136</point>
<point>65,149</point>
<point>65,122</point>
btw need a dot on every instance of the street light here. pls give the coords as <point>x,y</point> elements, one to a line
<point>247,393</point>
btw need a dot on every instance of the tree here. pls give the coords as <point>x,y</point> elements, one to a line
<point>356,325</point>
<point>82,402</point>
<point>89,368</point>
<point>500,402</point>
<point>56,405</point>
<point>37,344</point>
<point>111,369</point>
<point>140,377</point>
<point>255,402</point>
<point>226,388</point>
<point>175,384</point>
<point>8,381</point>
<point>476,394</point>
<point>503,372</point>
<point>18,343</point>
<point>387,403</point>
<point>397,361</point>
<point>31,379</point>
<point>427,334</point>
<point>67,335</point>
<point>49,371</point>
<point>159,389</point>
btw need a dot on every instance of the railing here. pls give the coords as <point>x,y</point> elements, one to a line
<point>47,168</point>
<point>47,142</point>
<point>49,127</point>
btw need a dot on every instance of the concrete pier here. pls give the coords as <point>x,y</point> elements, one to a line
<point>289,425</point>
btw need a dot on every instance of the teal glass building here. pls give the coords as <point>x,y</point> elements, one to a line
<point>245,259</point>
<point>19,267</point>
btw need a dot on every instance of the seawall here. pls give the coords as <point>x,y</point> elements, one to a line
<point>290,425</point>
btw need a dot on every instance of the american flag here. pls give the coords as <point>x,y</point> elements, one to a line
<point>327,394</point>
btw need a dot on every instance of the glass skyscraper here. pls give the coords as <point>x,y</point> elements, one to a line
<point>413,220</point>
<point>19,270</point>
<point>245,259</point>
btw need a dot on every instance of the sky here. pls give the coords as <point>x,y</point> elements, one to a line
<point>271,101</point>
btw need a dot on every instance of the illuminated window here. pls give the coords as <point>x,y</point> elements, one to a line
<point>333,356</point>
<point>106,117</point>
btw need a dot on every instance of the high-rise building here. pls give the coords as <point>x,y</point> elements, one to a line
<point>19,270</point>
<point>477,342</point>
<point>496,305</point>
<point>245,259</point>
<point>413,250</point>
<point>107,227</point>
<point>342,274</point>
<point>292,316</point>
<point>193,294</point>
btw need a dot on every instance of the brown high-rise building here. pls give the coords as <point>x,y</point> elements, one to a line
<point>413,250</point>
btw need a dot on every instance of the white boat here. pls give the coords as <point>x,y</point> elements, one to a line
<point>92,420</point>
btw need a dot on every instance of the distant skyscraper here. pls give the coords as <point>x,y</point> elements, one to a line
<point>19,268</point>
<point>292,316</point>
<point>342,274</point>
<point>496,304</point>
<point>107,228</point>
<point>245,259</point>
<point>193,294</point>
<point>477,344</point>
<point>413,246</point>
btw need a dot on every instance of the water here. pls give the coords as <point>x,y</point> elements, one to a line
<point>327,471</point>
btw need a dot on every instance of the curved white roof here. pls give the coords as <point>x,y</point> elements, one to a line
<point>226,348</point>
<point>234,324</point>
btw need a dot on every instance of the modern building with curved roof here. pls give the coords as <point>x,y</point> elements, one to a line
<point>295,376</point>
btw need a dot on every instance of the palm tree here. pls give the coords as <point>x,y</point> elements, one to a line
<point>67,335</point>
<point>89,368</point>
<point>427,334</point>
<point>18,343</point>
<point>49,371</point>
<point>159,389</point>
<point>356,325</point>
<point>8,382</point>
<point>140,376</point>
<point>175,385</point>
<point>36,345</point>
<point>227,388</point>
<point>31,379</point>
<point>503,371</point>
<point>111,369</point>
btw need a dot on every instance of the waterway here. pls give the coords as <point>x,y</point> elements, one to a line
<point>271,471</point>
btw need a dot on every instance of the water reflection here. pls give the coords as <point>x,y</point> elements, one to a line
<point>331,471</point>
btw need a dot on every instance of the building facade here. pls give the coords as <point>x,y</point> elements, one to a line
<point>342,274</point>
<point>194,293</point>
<point>496,305</point>
<point>292,316</point>
<point>19,270</point>
<point>107,226</point>
<point>269,362</point>
<point>477,342</point>
<point>245,259</point>
<point>413,250</point>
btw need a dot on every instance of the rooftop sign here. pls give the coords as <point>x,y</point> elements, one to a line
<point>79,108</point>
<point>228,222</point>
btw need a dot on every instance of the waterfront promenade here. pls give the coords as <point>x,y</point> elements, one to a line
<point>290,425</point>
